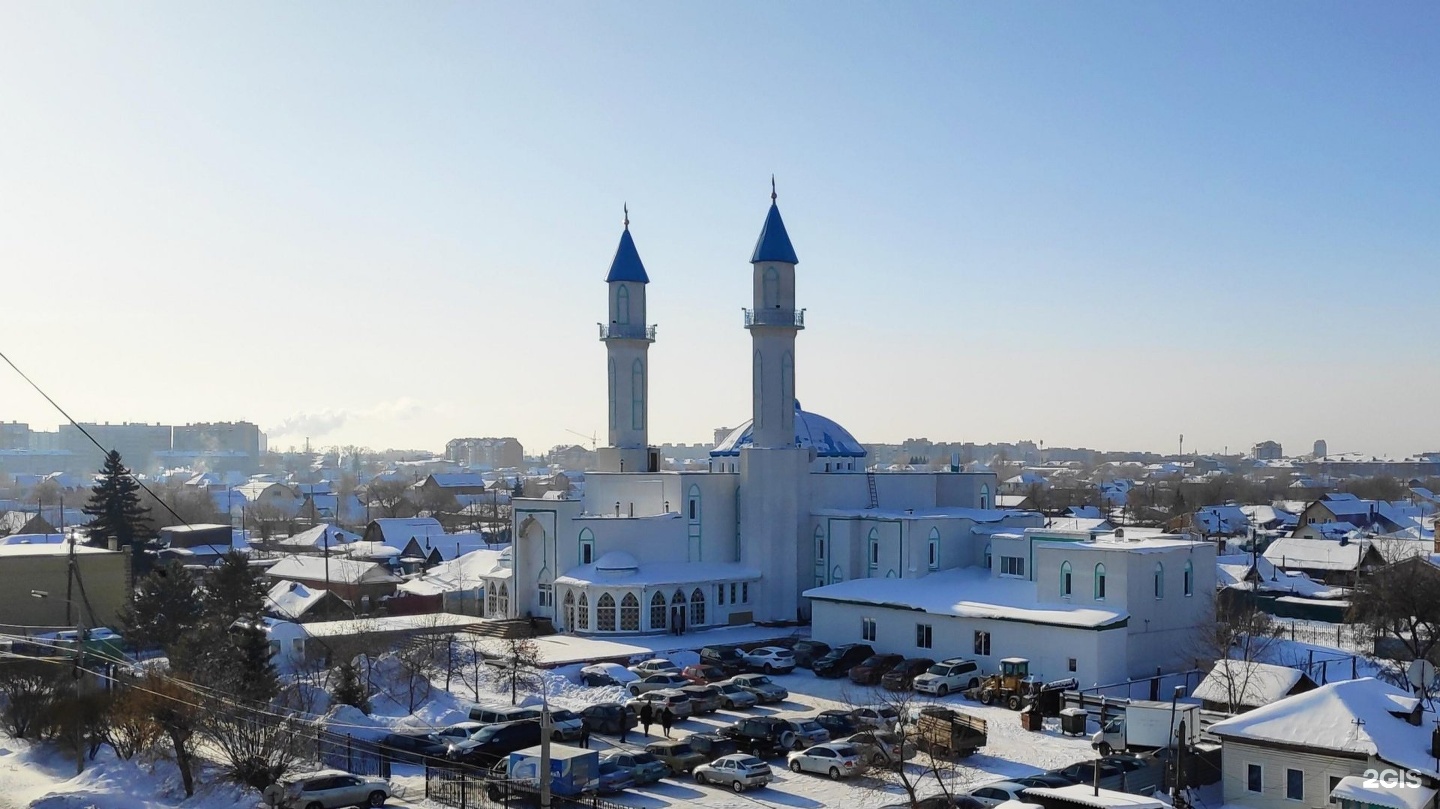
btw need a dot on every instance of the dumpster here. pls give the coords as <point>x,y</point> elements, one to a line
<point>1072,721</point>
<point>1031,720</point>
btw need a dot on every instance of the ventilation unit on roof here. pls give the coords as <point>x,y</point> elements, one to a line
<point>1119,533</point>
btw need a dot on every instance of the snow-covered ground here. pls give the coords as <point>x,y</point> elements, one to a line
<point>42,777</point>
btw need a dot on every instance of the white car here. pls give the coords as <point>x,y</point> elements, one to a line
<point>771,660</point>
<point>996,793</point>
<point>607,674</point>
<point>947,676</point>
<point>881,718</point>
<point>837,760</point>
<point>655,682</point>
<point>330,789</point>
<point>654,666</point>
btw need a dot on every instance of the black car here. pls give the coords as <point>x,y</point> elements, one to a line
<point>413,749</point>
<point>760,736</point>
<point>838,661</point>
<point>728,658</point>
<point>608,718</point>
<point>1044,780</point>
<point>808,651</point>
<point>494,742</point>
<point>712,745</point>
<point>839,723</point>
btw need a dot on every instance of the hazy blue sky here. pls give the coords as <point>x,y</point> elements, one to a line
<point>1098,224</point>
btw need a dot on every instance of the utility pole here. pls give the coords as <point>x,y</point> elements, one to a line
<point>545,731</point>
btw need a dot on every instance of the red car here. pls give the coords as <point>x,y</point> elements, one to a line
<point>704,674</point>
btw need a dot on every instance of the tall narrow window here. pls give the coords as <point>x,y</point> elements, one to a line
<point>605,613</point>
<point>872,545</point>
<point>1159,581</point>
<point>819,546</point>
<point>1294,785</point>
<point>1100,582</point>
<point>697,608</point>
<point>504,599</point>
<point>984,495</point>
<point>745,593</point>
<point>587,546</point>
<point>934,548</point>
<point>582,616</point>
<point>924,638</point>
<point>787,379</point>
<point>987,555</point>
<point>570,610</point>
<point>982,643</point>
<point>622,305</point>
<point>629,613</point>
<point>1189,578</point>
<point>657,611</point>
<point>770,291</point>
<point>637,395</point>
<point>757,385</point>
<point>1066,580</point>
<point>613,393</point>
<point>867,629</point>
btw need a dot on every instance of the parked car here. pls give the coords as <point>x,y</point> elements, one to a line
<point>770,659</point>
<point>613,777</point>
<point>881,748</point>
<point>902,677</point>
<point>459,731</point>
<point>1045,780</point>
<point>703,698</point>
<point>807,732</point>
<point>952,674</point>
<point>763,736</point>
<point>871,669</point>
<point>740,771</point>
<point>712,745</point>
<point>1139,775</point>
<point>728,658</point>
<point>566,725</point>
<point>838,661</point>
<point>509,713</point>
<point>654,682</point>
<point>677,754</point>
<point>703,674</point>
<point>609,718</point>
<point>1083,772</point>
<point>808,651</point>
<point>597,674</point>
<point>330,789</point>
<point>998,792</point>
<point>938,802</point>
<point>645,768</point>
<point>414,749</point>
<point>654,665</point>
<point>764,689</point>
<point>494,742</point>
<point>678,703</point>
<point>882,717</point>
<point>832,759</point>
<point>737,698</point>
<point>838,722</point>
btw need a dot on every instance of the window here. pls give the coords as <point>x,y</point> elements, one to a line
<point>697,608</point>
<point>587,546</point>
<point>583,616</point>
<point>1254,778</point>
<point>982,643</point>
<point>613,392</point>
<point>745,593</point>
<point>1294,785</point>
<point>547,594</point>
<point>657,611</point>
<point>605,614</point>
<point>694,504</point>
<point>1012,566</point>
<point>873,544</point>
<point>923,636</point>
<point>787,378</point>
<point>504,604</point>
<point>1066,580</point>
<point>732,594</point>
<point>1159,581</point>
<point>819,545</point>
<point>1072,664</point>
<point>720,599</point>
<point>770,289</point>
<point>1189,579</point>
<point>934,548</point>
<point>985,495</point>
<point>987,555</point>
<point>570,610</point>
<point>637,395</point>
<point>622,305</point>
<point>629,613</point>
<point>757,383</point>
<point>867,629</point>
<point>1100,582</point>
<point>1334,782</point>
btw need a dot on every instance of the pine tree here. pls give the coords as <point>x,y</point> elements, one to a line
<point>519,490</point>
<point>166,606</point>
<point>233,591</point>
<point>115,509</point>
<point>348,689</point>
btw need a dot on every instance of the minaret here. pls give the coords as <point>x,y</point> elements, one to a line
<point>774,470</point>
<point>627,340</point>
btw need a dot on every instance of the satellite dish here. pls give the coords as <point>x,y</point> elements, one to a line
<point>273,794</point>
<point>1421,674</point>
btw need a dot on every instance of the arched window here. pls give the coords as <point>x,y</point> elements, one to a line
<point>987,555</point>
<point>629,613</point>
<point>1189,578</point>
<point>872,548</point>
<point>587,546</point>
<point>1100,582</point>
<point>613,393</point>
<point>570,610</point>
<point>934,548</point>
<point>757,385</point>
<point>492,600</point>
<point>622,305</point>
<point>697,608</point>
<point>504,605</point>
<point>583,618</point>
<point>819,546</point>
<point>637,395</point>
<point>837,574</point>
<point>545,588</point>
<point>787,378</point>
<point>984,495</point>
<point>692,505</point>
<point>770,289</point>
<point>1067,588</point>
<point>605,614</point>
<point>657,611</point>
<point>1159,580</point>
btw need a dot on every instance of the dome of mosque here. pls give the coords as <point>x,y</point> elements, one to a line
<point>829,439</point>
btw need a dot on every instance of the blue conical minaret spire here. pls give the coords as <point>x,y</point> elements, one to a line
<point>774,242</point>
<point>627,265</point>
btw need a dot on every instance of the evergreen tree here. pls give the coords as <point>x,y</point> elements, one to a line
<point>233,591</point>
<point>348,689</point>
<point>519,490</point>
<point>166,606</point>
<point>251,673</point>
<point>115,509</point>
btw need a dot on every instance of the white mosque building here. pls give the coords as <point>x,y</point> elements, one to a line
<point>786,506</point>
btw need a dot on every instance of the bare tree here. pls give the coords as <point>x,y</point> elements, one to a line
<point>257,748</point>
<point>266,518</point>
<point>421,659</point>
<point>520,661</point>
<point>28,691</point>
<point>1401,603</point>
<point>130,728</point>
<point>389,496</point>
<point>174,709</point>
<point>1237,636</point>
<point>928,765</point>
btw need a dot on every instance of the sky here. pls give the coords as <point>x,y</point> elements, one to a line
<point>1098,224</point>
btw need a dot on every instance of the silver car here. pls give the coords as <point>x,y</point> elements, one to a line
<point>762,687</point>
<point>737,769</point>
<point>807,732</point>
<point>837,760</point>
<point>736,697</point>
<point>330,789</point>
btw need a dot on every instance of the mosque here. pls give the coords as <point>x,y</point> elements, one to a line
<point>786,505</point>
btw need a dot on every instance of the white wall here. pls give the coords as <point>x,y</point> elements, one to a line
<point>1318,769</point>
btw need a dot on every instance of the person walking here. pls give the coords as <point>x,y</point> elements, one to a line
<point>647,718</point>
<point>667,718</point>
<point>585,737</point>
<point>624,725</point>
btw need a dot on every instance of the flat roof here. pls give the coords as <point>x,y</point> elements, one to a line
<point>1085,795</point>
<point>49,549</point>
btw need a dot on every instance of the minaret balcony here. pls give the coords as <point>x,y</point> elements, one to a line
<point>626,331</point>
<point>788,318</point>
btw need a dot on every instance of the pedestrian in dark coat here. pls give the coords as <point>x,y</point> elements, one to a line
<point>667,718</point>
<point>585,737</point>
<point>624,726</point>
<point>647,718</point>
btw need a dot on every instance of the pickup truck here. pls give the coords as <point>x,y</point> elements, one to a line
<point>949,732</point>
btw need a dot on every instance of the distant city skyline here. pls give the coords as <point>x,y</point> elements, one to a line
<point>1098,226</point>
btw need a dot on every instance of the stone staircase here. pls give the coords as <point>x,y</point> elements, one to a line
<point>512,628</point>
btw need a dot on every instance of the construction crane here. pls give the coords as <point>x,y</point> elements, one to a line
<point>592,436</point>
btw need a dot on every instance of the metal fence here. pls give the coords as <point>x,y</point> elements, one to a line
<point>468,788</point>
<point>356,756</point>
<point>1339,636</point>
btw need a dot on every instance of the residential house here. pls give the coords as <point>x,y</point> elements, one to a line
<point>1331,561</point>
<point>293,601</point>
<point>361,584</point>
<point>19,522</point>
<point>398,531</point>
<point>281,498</point>
<point>1244,685</point>
<point>460,583</point>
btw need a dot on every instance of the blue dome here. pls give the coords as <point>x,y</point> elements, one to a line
<point>829,439</point>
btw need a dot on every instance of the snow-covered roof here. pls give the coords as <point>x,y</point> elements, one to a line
<point>997,516</point>
<point>32,539</point>
<point>370,550</point>
<point>968,592</point>
<point>1085,795</point>
<point>659,574</point>
<point>321,536</point>
<point>615,561</point>
<point>1316,554</point>
<point>340,571</point>
<point>1253,684</point>
<point>1324,718</point>
<point>433,621</point>
<point>1398,796</point>
<point>400,530</point>
<point>829,439</point>
<point>48,549</point>
<point>291,599</point>
<point>452,480</point>
<point>463,573</point>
